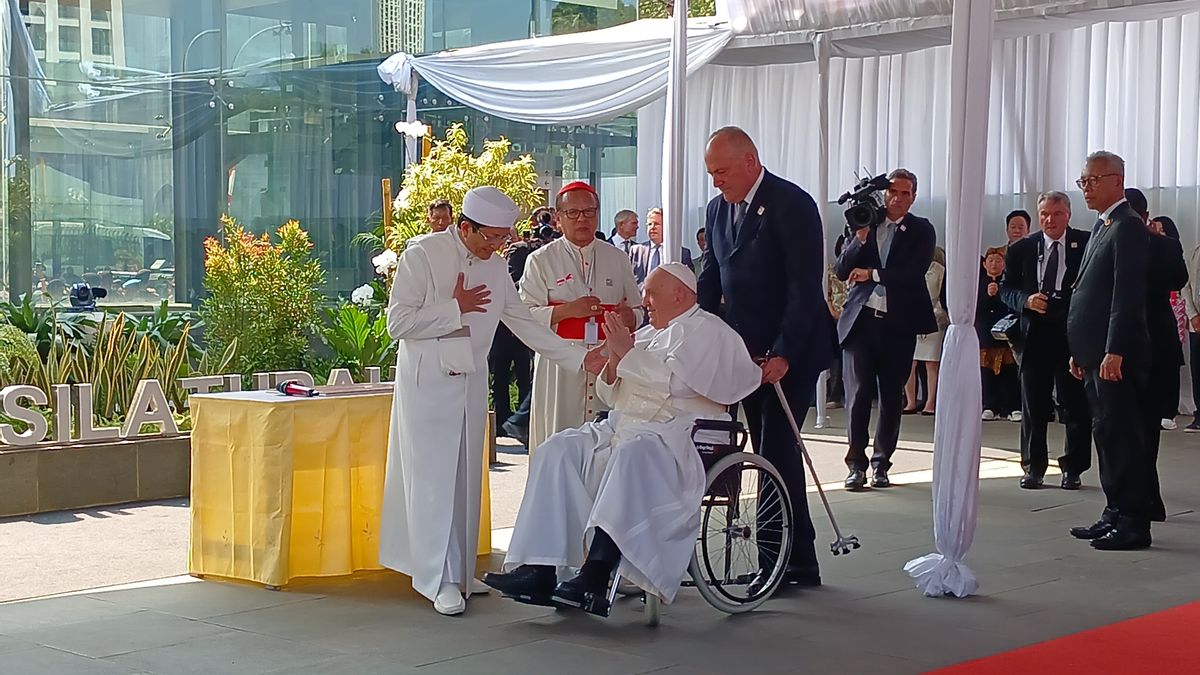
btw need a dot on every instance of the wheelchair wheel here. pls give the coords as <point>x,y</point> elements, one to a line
<point>745,527</point>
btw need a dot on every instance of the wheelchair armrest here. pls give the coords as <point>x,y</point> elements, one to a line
<point>736,430</point>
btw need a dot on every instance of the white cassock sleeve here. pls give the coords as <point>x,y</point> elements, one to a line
<point>530,330</point>
<point>535,293</point>
<point>407,315</point>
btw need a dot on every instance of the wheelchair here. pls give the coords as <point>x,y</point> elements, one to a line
<point>745,525</point>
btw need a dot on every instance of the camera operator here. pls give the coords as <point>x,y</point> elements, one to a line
<point>888,307</point>
<point>1040,273</point>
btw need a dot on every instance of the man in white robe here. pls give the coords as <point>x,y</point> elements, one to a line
<point>631,484</point>
<point>448,295</point>
<point>568,285</point>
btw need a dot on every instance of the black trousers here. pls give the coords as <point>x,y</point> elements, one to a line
<point>877,358</point>
<point>1001,391</point>
<point>508,360</point>
<point>773,439</point>
<point>1119,414</point>
<point>1045,368</point>
<point>1194,364</point>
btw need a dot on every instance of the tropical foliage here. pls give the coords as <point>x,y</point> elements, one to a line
<point>263,296</point>
<point>357,334</point>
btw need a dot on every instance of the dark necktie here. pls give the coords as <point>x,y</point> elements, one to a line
<point>627,244</point>
<point>1096,228</point>
<point>1050,274</point>
<point>739,214</point>
<point>654,259</point>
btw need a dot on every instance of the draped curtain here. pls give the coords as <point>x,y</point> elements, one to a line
<point>1047,113</point>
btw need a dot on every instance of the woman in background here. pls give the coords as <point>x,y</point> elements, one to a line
<point>929,347</point>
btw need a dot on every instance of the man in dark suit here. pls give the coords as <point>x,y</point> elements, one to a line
<point>1110,352</point>
<point>1168,273</point>
<point>509,358</point>
<point>765,242</point>
<point>1040,272</point>
<point>887,308</point>
<point>648,256</point>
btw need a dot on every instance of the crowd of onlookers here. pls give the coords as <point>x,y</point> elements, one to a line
<point>130,285</point>
<point>1002,393</point>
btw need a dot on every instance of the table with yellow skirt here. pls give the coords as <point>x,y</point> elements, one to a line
<point>286,487</point>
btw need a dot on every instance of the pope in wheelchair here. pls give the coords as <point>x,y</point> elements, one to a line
<point>628,489</point>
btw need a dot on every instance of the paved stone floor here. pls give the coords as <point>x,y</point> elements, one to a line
<point>1037,583</point>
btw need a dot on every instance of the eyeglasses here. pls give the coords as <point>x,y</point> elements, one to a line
<point>493,238</point>
<point>576,214</point>
<point>1091,181</point>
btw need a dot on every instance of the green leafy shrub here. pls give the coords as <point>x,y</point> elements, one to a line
<point>358,337</point>
<point>264,295</point>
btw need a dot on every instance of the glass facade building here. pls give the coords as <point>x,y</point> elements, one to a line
<point>130,126</point>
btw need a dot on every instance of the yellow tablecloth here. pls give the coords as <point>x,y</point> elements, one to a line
<point>291,487</point>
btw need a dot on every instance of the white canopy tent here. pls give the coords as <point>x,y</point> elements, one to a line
<point>595,76</point>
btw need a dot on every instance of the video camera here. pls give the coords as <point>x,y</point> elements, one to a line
<point>866,203</point>
<point>84,296</point>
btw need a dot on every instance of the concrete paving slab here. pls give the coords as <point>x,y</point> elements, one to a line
<point>105,637</point>
<point>47,660</point>
<point>224,652</point>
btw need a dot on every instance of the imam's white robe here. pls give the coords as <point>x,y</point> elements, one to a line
<point>430,519</point>
<point>637,474</point>
<point>560,272</point>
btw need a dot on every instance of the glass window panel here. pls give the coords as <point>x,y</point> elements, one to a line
<point>37,35</point>
<point>102,41</point>
<point>68,39</point>
<point>68,9</point>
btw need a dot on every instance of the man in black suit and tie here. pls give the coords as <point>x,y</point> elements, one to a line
<point>887,308</point>
<point>1110,352</point>
<point>765,243</point>
<point>646,257</point>
<point>1041,271</point>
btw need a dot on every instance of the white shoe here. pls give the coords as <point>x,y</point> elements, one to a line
<point>449,601</point>
<point>1014,416</point>
<point>1169,424</point>
<point>988,416</point>
<point>479,588</point>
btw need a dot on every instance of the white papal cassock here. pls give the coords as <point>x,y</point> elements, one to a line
<point>637,474</point>
<point>561,272</point>
<point>430,519</point>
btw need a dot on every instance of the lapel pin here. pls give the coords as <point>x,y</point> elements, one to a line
<point>902,228</point>
<point>762,210</point>
<point>1074,244</point>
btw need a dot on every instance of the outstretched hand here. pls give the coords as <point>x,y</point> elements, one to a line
<point>471,299</point>
<point>774,369</point>
<point>595,360</point>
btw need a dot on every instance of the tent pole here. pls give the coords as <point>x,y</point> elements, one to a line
<point>673,138</point>
<point>821,48</point>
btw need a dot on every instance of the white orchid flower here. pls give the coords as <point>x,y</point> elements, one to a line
<point>363,295</point>
<point>385,262</point>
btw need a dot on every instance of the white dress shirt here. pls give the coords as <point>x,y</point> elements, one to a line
<point>1044,259</point>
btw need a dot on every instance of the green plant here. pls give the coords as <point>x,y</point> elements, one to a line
<point>18,355</point>
<point>168,329</point>
<point>44,326</point>
<point>448,172</point>
<point>358,341</point>
<point>264,295</point>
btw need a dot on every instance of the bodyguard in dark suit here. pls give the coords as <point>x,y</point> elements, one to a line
<point>1168,273</point>
<point>765,242</point>
<point>887,308</point>
<point>1040,272</point>
<point>647,256</point>
<point>1110,352</point>
<point>509,359</point>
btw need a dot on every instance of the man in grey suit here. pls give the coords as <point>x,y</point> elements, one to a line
<point>1110,352</point>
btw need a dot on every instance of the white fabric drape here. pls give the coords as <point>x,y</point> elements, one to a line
<point>956,433</point>
<point>892,111</point>
<point>673,145</point>
<point>565,79</point>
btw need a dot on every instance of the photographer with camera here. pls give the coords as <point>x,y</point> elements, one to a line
<point>888,307</point>
<point>1040,273</point>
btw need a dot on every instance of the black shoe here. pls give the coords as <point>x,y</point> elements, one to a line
<point>880,479</point>
<point>1120,538</point>
<point>1031,482</point>
<point>579,592</point>
<point>530,584</point>
<point>1094,531</point>
<point>793,575</point>
<point>1071,481</point>
<point>857,479</point>
<point>514,431</point>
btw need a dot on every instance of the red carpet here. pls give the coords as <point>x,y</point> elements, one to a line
<point>1161,642</point>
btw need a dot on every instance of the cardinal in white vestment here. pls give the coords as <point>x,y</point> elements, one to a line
<point>447,296</point>
<point>568,285</point>
<point>631,485</point>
